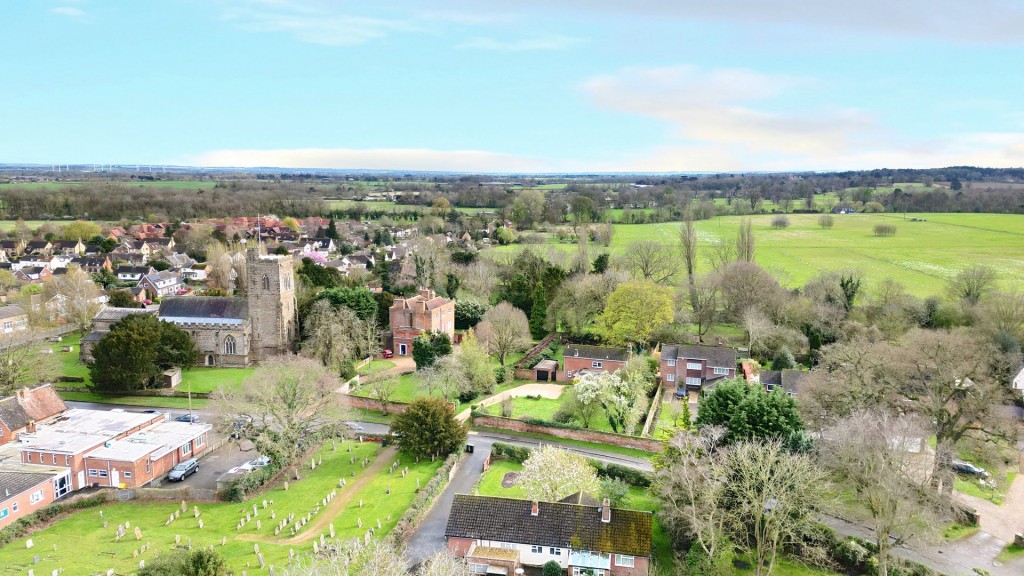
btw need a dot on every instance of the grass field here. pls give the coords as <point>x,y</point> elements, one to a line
<point>922,255</point>
<point>198,379</point>
<point>80,545</point>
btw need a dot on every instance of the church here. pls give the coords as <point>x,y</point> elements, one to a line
<point>234,331</point>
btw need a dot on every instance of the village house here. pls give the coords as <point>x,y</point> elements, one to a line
<point>788,381</point>
<point>94,264</point>
<point>39,248</point>
<point>127,273</point>
<point>34,274</point>
<point>498,535</point>
<point>69,247</point>
<point>691,368</point>
<point>13,319</point>
<point>161,284</point>
<point>578,359</point>
<point>12,248</point>
<point>425,312</point>
<point>27,406</point>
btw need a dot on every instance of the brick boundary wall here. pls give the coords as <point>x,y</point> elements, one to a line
<point>620,440</point>
<point>161,392</point>
<point>371,404</point>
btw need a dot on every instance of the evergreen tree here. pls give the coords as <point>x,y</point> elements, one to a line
<point>538,314</point>
<point>136,350</point>
<point>332,231</point>
<point>428,427</point>
<point>748,412</point>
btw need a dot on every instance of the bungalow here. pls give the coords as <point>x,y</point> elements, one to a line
<point>133,273</point>
<point>690,368</point>
<point>196,272</point>
<point>13,319</point>
<point>161,284</point>
<point>27,489</point>
<point>579,359</point>
<point>498,535</point>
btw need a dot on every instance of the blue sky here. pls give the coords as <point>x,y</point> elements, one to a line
<point>525,86</point>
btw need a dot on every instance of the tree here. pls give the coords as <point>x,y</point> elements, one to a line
<point>440,207</point>
<point>383,390</point>
<point>136,350</point>
<point>972,283</point>
<point>634,310</point>
<point>749,412</point>
<point>445,376</point>
<point>76,296</point>
<point>826,221</point>
<point>360,300</point>
<point>468,314</point>
<point>745,286</point>
<point>195,562</point>
<point>780,222</point>
<point>600,264</point>
<point>290,402</point>
<point>771,496</point>
<point>427,348</point>
<point>688,243</point>
<point>337,337</point>
<point>651,260</point>
<point>528,208</point>
<point>578,302</point>
<point>122,299</point>
<point>586,397</point>
<point>745,241</point>
<point>221,275</point>
<point>384,302</point>
<point>25,365</point>
<point>475,364</point>
<point>702,304</point>
<point>428,427</point>
<point>877,455</point>
<point>332,230</point>
<point>313,274</point>
<point>539,313</point>
<point>505,330</point>
<point>551,473</point>
<point>80,230</point>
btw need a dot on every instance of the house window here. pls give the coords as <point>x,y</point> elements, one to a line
<point>103,473</point>
<point>537,549</point>
<point>671,361</point>
<point>693,366</point>
<point>670,377</point>
<point>770,387</point>
<point>625,561</point>
<point>478,568</point>
<point>8,325</point>
<point>229,345</point>
<point>577,571</point>
<point>54,458</point>
<point>4,513</point>
<point>693,381</point>
<point>596,364</point>
<point>721,371</point>
<point>28,457</point>
<point>14,507</point>
<point>36,497</point>
<point>93,473</point>
<point>555,551</point>
<point>67,460</point>
<point>147,466</point>
<point>127,474</point>
<point>201,440</point>
<point>186,448</point>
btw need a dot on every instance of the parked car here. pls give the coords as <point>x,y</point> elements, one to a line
<point>964,467</point>
<point>261,462</point>
<point>239,425</point>
<point>388,353</point>
<point>187,418</point>
<point>353,426</point>
<point>183,470</point>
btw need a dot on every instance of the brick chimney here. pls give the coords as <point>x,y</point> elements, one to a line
<point>606,511</point>
<point>535,509</point>
<point>31,428</point>
<point>22,393</point>
<point>427,293</point>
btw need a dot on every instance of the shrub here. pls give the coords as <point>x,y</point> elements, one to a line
<point>615,490</point>
<point>468,395</point>
<point>238,490</point>
<point>826,221</point>
<point>506,407</point>
<point>885,230</point>
<point>503,451</point>
<point>780,222</point>
<point>783,359</point>
<point>630,476</point>
<point>424,500</point>
<point>26,524</point>
<point>551,568</point>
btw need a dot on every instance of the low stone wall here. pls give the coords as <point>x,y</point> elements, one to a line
<point>371,404</point>
<point>621,440</point>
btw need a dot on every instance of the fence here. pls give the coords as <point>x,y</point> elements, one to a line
<point>525,361</point>
<point>646,444</point>
<point>654,413</point>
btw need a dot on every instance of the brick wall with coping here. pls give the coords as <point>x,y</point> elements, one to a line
<point>620,440</point>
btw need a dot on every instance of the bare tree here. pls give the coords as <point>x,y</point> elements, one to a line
<point>651,260</point>
<point>972,283</point>
<point>25,365</point>
<point>579,301</point>
<point>745,241</point>
<point>446,376</point>
<point>881,457</point>
<point>505,330</point>
<point>383,390</point>
<point>702,302</point>
<point>722,252</point>
<point>1003,312</point>
<point>221,275</point>
<point>688,242</point>
<point>75,295</point>
<point>289,401</point>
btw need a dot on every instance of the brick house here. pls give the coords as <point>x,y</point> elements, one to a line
<point>34,274</point>
<point>23,492</point>
<point>424,312</point>
<point>161,284</point>
<point>495,534</point>
<point>28,406</point>
<point>577,358</point>
<point>691,368</point>
<point>13,318</point>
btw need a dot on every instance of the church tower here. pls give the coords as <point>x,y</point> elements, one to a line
<point>271,298</point>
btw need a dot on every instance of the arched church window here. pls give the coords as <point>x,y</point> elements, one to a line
<point>229,345</point>
<point>266,282</point>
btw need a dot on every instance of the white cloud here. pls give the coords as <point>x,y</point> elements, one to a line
<point>69,12</point>
<point>312,21</point>
<point>419,159</point>
<point>529,44</point>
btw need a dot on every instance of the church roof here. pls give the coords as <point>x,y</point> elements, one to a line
<point>204,309</point>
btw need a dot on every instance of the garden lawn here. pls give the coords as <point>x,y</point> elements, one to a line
<point>411,387</point>
<point>376,366</point>
<point>544,409</point>
<point>199,378</point>
<point>922,255</point>
<point>995,495</point>
<point>595,446</point>
<point>639,499</point>
<point>83,546</point>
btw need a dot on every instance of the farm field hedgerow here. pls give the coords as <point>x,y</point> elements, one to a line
<point>922,255</point>
<point>83,546</point>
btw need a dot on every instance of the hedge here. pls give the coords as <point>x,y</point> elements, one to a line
<point>630,476</point>
<point>24,525</point>
<point>504,451</point>
<point>859,556</point>
<point>424,500</point>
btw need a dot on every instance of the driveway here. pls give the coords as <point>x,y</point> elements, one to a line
<point>1000,521</point>
<point>213,465</point>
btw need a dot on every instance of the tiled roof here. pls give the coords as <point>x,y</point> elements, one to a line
<point>596,352</point>
<point>11,311</point>
<point>719,356</point>
<point>790,380</point>
<point>14,483</point>
<point>38,404</point>
<point>557,524</point>
<point>208,307</point>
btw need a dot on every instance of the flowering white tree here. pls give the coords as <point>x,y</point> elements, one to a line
<point>550,474</point>
<point>616,395</point>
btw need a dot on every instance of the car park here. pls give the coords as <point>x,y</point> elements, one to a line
<point>183,470</point>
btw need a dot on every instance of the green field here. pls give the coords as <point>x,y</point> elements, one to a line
<point>544,409</point>
<point>80,545</point>
<point>922,255</point>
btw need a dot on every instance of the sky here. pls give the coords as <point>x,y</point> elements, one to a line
<point>515,87</point>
